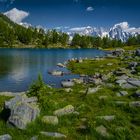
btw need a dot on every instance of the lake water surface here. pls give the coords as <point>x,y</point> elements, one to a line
<point>19,67</point>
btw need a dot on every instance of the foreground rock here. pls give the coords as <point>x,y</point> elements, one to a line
<point>50,120</point>
<point>64,111</point>
<point>23,110</point>
<point>5,137</point>
<point>53,134</point>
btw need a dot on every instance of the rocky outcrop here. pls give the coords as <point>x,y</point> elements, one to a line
<point>23,110</point>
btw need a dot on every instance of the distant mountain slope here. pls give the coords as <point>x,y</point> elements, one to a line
<point>120,31</point>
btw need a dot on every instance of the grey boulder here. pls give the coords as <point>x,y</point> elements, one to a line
<point>23,110</point>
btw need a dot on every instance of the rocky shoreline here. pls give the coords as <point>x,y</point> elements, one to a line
<point>119,72</point>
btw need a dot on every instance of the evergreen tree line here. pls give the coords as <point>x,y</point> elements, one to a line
<point>12,34</point>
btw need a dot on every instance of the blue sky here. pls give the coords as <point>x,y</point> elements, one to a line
<point>76,13</point>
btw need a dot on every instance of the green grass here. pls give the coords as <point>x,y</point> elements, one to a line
<point>89,107</point>
<point>91,67</point>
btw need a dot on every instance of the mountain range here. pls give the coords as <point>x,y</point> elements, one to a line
<point>121,31</point>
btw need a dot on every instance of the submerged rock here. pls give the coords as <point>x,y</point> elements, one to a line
<point>56,73</point>
<point>61,65</point>
<point>5,137</point>
<point>53,134</point>
<point>64,111</point>
<point>23,110</point>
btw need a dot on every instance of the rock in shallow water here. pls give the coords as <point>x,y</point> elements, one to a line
<point>23,110</point>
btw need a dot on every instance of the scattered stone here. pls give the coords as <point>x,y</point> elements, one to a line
<point>120,102</point>
<point>102,97</point>
<point>138,52</point>
<point>133,65</point>
<point>61,65</point>
<point>53,134</point>
<point>127,86</point>
<point>64,111</point>
<point>123,77</point>
<point>23,110</point>
<point>122,93</point>
<point>50,120</point>
<point>34,138</point>
<point>68,89</point>
<point>102,131</point>
<point>109,64</point>
<point>67,84</point>
<point>120,82</point>
<point>137,94</point>
<point>56,73</point>
<point>107,118</point>
<point>78,80</point>
<point>5,137</point>
<point>134,104</point>
<point>93,90</point>
<point>134,82</point>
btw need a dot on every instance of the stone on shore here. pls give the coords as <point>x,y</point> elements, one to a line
<point>23,110</point>
<point>69,109</point>
<point>67,84</point>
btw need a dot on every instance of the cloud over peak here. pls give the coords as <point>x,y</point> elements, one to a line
<point>16,15</point>
<point>89,9</point>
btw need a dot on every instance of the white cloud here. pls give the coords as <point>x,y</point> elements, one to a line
<point>16,15</point>
<point>89,9</point>
<point>123,25</point>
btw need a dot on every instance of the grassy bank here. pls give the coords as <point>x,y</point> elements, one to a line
<point>83,124</point>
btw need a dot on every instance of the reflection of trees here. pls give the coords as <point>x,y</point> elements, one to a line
<point>5,65</point>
